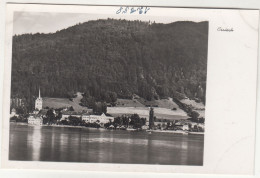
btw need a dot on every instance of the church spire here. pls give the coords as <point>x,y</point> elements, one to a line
<point>38,101</point>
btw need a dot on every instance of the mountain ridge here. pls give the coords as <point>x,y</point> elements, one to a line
<point>113,56</point>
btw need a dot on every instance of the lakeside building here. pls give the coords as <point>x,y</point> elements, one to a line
<point>86,117</point>
<point>182,125</point>
<point>35,120</point>
<point>13,113</point>
<point>185,125</point>
<point>97,118</point>
<point>67,114</point>
<point>145,127</point>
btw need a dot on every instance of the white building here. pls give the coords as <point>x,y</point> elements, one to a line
<point>67,114</point>
<point>86,118</point>
<point>97,118</point>
<point>185,127</point>
<point>35,120</point>
<point>201,127</point>
<point>38,102</point>
<point>13,113</point>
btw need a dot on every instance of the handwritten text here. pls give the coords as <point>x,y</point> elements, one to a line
<point>131,10</point>
<point>225,29</point>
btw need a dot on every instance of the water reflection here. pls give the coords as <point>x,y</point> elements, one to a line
<point>103,146</point>
<point>34,142</point>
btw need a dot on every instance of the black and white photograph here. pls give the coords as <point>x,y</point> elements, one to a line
<point>130,89</point>
<point>108,89</point>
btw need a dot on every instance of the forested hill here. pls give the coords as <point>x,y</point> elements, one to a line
<point>113,56</point>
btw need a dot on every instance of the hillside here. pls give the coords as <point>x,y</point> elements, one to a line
<point>65,102</point>
<point>110,58</point>
<point>163,109</point>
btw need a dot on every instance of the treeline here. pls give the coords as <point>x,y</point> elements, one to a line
<point>194,116</point>
<point>94,103</point>
<point>109,59</point>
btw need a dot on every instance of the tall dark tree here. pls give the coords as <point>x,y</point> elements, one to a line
<point>151,118</point>
<point>99,108</point>
<point>50,116</point>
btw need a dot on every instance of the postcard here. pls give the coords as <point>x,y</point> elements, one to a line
<point>135,89</point>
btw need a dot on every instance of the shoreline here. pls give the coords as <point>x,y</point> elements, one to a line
<point>176,132</point>
<point>148,131</point>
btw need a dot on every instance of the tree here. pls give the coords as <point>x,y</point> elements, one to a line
<point>71,108</point>
<point>99,108</point>
<point>136,121</point>
<point>118,121</point>
<point>50,116</point>
<point>75,121</point>
<point>125,121</point>
<point>59,116</point>
<point>194,115</point>
<point>151,118</point>
<point>113,97</point>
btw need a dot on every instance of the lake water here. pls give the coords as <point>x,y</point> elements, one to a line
<point>64,144</point>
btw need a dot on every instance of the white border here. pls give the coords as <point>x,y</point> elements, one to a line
<point>207,94</point>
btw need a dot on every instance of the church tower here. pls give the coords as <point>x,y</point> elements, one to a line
<point>38,102</point>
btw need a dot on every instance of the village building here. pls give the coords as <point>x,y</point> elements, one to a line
<point>201,127</point>
<point>98,118</point>
<point>145,127</point>
<point>35,120</point>
<point>182,125</point>
<point>86,118</point>
<point>185,127</point>
<point>13,113</point>
<point>66,114</point>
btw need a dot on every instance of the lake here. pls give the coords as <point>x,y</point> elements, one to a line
<point>68,144</point>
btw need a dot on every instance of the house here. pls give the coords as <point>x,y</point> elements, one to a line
<point>185,127</point>
<point>182,125</point>
<point>67,114</point>
<point>86,118</point>
<point>201,127</point>
<point>13,113</point>
<point>145,127</point>
<point>193,124</point>
<point>103,119</point>
<point>35,120</point>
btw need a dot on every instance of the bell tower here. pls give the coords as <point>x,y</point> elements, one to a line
<point>38,102</point>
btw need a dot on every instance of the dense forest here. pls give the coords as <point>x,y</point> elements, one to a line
<point>109,59</point>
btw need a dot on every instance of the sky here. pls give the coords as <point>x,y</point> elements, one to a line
<point>46,22</point>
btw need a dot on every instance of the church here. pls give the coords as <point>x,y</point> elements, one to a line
<point>36,118</point>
